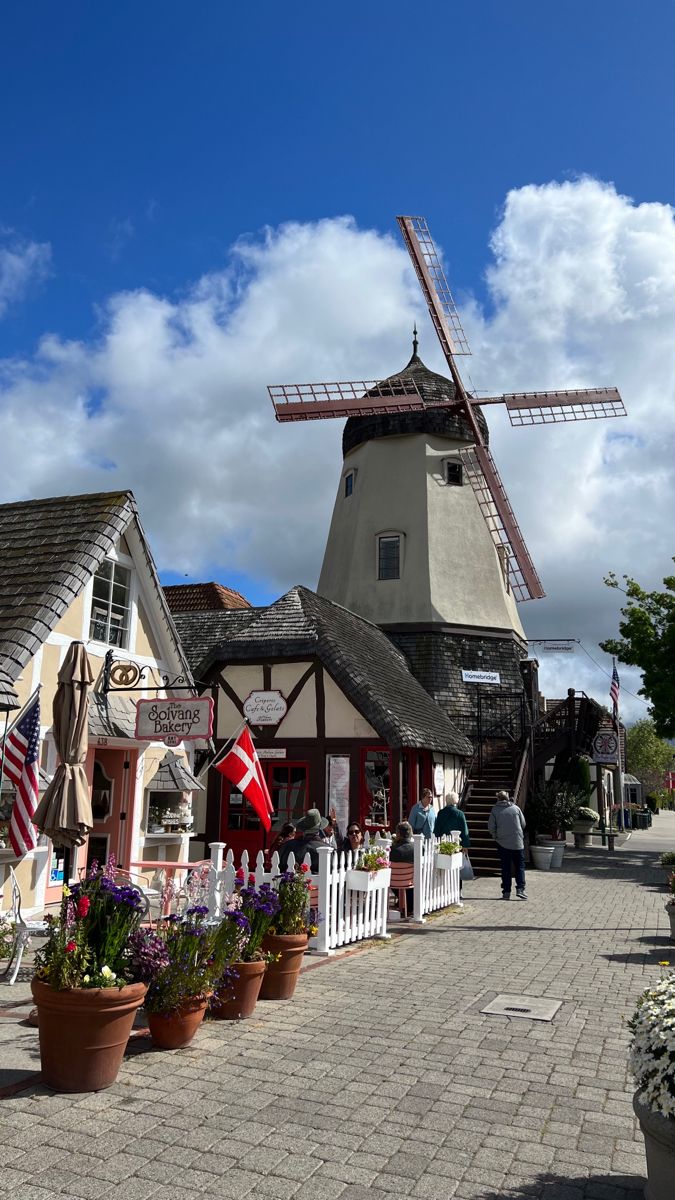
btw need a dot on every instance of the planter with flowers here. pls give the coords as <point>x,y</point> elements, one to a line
<point>86,988</point>
<point>652,1061</point>
<point>584,822</point>
<point>448,856</point>
<point>372,872</point>
<point>286,941</point>
<point>181,962</point>
<point>252,912</point>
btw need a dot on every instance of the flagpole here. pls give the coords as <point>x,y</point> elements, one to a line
<point>2,752</point>
<point>224,749</point>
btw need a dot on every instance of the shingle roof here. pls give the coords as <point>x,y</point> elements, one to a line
<point>48,551</point>
<point>111,716</point>
<point>203,597</point>
<point>172,775</point>
<point>370,671</point>
<point>201,632</point>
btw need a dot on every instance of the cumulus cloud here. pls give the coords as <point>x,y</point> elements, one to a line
<point>170,398</point>
<point>22,264</point>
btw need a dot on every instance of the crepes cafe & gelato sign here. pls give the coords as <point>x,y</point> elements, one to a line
<point>265,708</point>
<point>173,721</point>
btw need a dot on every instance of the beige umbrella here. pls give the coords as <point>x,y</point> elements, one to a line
<point>64,813</point>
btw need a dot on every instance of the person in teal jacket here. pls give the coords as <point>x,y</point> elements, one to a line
<point>451,819</point>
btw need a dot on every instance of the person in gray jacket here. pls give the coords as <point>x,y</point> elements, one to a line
<point>507,826</point>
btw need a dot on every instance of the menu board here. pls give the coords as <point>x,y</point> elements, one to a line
<point>338,788</point>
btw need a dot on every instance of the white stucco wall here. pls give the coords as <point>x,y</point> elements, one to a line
<point>450,571</point>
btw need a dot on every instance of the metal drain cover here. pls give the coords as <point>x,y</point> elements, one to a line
<point>532,1008</point>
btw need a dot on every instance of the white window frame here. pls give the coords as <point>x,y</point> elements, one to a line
<point>390,533</point>
<point>120,560</point>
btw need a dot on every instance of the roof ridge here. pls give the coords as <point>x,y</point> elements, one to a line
<point>126,492</point>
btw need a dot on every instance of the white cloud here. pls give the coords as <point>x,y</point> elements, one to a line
<point>171,401</point>
<point>22,264</point>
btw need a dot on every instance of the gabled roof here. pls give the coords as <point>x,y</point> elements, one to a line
<point>369,670</point>
<point>201,632</point>
<point>49,549</point>
<point>202,597</point>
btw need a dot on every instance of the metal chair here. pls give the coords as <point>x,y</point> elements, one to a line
<point>23,930</point>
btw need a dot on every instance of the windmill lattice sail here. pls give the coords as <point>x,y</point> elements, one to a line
<point>353,398</point>
<point>442,308</point>
<point>545,408</point>
<point>501,521</point>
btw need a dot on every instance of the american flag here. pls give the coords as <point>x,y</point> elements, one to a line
<point>20,765</point>
<point>615,688</point>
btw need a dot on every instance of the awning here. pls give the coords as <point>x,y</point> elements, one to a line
<point>172,775</point>
<point>112,716</point>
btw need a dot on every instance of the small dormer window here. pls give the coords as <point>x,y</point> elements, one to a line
<point>110,605</point>
<point>453,473</point>
<point>349,484</point>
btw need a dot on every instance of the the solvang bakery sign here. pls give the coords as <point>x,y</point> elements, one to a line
<point>173,721</point>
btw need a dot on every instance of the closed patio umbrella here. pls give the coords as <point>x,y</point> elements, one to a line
<point>64,813</point>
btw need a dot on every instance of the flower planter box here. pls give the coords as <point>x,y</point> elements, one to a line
<point>448,862</point>
<point>659,1134</point>
<point>84,1033</point>
<point>368,881</point>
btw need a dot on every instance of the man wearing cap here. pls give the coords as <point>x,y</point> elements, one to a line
<point>306,841</point>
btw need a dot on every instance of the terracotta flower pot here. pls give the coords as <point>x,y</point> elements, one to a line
<point>659,1135</point>
<point>242,997</point>
<point>176,1029</point>
<point>281,976</point>
<point>84,1033</point>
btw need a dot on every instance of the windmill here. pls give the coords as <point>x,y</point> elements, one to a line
<point>359,398</point>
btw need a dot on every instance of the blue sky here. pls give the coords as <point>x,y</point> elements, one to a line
<point>145,149</point>
<point>145,138</point>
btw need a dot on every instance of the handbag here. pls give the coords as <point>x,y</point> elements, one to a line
<point>466,870</point>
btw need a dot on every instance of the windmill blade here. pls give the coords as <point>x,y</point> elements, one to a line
<point>546,408</point>
<point>442,308</point>
<point>501,521</point>
<point>356,398</point>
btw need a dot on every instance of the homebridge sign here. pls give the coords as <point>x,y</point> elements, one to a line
<point>173,721</point>
<point>481,677</point>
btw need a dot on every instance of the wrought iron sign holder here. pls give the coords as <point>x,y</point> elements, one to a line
<point>124,676</point>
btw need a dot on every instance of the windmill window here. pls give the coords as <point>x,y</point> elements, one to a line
<point>111,605</point>
<point>349,483</point>
<point>389,557</point>
<point>454,475</point>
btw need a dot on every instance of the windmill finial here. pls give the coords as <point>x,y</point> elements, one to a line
<point>415,342</point>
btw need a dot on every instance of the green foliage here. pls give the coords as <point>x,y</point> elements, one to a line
<point>195,956</point>
<point>647,641</point>
<point>449,848</point>
<point>574,771</point>
<point>648,756</point>
<point>293,891</point>
<point>553,807</point>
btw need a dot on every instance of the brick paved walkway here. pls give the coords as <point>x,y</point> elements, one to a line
<point>382,1079</point>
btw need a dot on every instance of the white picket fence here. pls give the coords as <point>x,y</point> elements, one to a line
<point>346,915</point>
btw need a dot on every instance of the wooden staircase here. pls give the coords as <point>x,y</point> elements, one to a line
<point>498,773</point>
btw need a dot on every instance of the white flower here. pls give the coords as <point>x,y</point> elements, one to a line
<point>652,1057</point>
<point>86,978</point>
<point>107,973</point>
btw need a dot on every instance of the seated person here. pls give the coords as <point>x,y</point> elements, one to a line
<point>306,841</point>
<point>403,851</point>
<point>354,838</point>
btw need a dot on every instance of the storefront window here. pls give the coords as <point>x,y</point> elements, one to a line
<point>288,790</point>
<point>376,787</point>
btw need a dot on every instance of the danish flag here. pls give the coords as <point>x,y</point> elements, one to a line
<point>241,766</point>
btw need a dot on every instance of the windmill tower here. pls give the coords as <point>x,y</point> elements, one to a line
<point>423,539</point>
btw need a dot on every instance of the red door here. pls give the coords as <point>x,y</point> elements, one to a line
<point>288,784</point>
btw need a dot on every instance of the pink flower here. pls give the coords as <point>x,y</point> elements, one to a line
<point>82,906</point>
<point>251,877</point>
<point>304,868</point>
<point>70,946</point>
<point>240,876</point>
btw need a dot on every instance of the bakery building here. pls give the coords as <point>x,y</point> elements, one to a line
<point>337,716</point>
<point>79,568</point>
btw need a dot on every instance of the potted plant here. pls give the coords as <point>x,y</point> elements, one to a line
<point>586,819</point>
<point>448,855</point>
<point>286,940</point>
<point>181,962</point>
<point>652,1060</point>
<point>85,988</point>
<point>550,813</point>
<point>667,859</point>
<point>372,871</point>
<point>253,912</point>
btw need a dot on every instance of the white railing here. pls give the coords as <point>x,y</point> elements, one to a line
<point>347,916</point>
<point>434,888</point>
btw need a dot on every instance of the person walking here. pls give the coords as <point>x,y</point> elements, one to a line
<point>506,825</point>
<point>422,815</point>
<point>451,819</point>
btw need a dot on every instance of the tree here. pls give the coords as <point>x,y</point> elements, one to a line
<point>648,642</point>
<point>648,757</point>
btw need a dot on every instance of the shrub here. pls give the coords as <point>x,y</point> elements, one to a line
<point>587,814</point>
<point>668,859</point>
<point>449,848</point>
